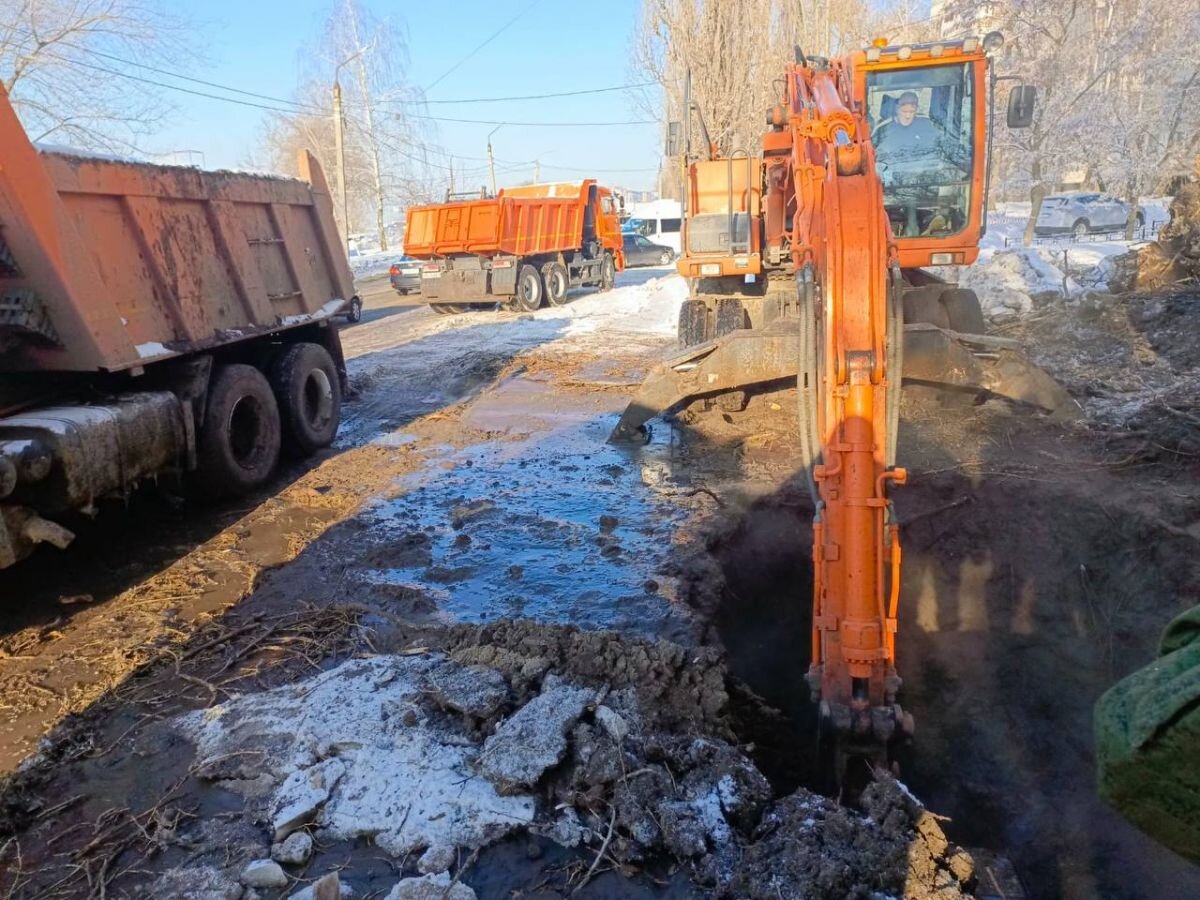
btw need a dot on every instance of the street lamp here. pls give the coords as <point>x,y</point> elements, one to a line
<point>338,138</point>
<point>491,159</point>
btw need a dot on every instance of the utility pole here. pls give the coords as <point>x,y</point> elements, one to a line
<point>451,176</point>
<point>339,139</point>
<point>537,171</point>
<point>341,156</point>
<point>492,159</point>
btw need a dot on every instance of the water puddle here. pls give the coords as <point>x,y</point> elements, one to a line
<point>553,525</point>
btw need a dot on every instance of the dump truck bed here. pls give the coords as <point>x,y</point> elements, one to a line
<point>526,221</point>
<point>108,265</point>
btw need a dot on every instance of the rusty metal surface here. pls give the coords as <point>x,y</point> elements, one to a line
<point>70,456</point>
<point>117,264</point>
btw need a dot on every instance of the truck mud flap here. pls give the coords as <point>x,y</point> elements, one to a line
<point>759,357</point>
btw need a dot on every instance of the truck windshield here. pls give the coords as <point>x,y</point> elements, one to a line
<point>922,126</point>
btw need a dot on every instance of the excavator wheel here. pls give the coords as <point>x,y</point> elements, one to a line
<point>923,306</point>
<point>730,317</point>
<point>963,311</point>
<point>694,325</point>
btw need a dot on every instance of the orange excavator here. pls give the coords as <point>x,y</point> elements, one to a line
<point>807,262</point>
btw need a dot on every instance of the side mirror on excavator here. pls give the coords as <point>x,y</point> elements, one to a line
<point>674,138</point>
<point>1022,100</point>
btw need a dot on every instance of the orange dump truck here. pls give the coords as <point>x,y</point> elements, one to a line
<point>524,247</point>
<point>156,320</point>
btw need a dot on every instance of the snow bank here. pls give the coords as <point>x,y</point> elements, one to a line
<point>1009,281</point>
<point>651,308</point>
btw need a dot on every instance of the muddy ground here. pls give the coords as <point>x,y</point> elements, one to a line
<point>471,485</point>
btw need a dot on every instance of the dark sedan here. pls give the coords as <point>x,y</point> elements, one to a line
<point>641,252</point>
<point>406,276</point>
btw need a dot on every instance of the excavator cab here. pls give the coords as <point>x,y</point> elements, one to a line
<point>923,129</point>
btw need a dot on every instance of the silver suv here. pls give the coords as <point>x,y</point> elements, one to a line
<point>1078,213</point>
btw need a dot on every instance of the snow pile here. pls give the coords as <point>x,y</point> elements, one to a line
<point>1010,281</point>
<point>372,263</point>
<point>650,308</point>
<point>354,753</point>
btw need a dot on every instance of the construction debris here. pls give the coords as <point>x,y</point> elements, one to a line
<point>429,757</point>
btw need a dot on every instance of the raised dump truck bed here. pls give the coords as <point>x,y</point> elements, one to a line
<point>157,319</point>
<point>525,246</point>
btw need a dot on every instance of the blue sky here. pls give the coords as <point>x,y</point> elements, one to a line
<point>560,45</point>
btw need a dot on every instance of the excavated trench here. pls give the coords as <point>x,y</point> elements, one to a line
<point>1023,600</point>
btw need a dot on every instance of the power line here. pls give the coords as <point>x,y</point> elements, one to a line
<point>175,87</point>
<point>532,124</point>
<point>495,34</point>
<point>167,72</point>
<point>604,90</point>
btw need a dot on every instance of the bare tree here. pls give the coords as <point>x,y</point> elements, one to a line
<point>60,62</point>
<point>736,51</point>
<point>1117,84</point>
<point>387,164</point>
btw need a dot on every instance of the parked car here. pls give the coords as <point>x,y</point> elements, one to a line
<point>1078,213</point>
<point>641,252</point>
<point>352,311</point>
<point>406,276</point>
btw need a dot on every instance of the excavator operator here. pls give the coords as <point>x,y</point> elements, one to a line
<point>906,133</point>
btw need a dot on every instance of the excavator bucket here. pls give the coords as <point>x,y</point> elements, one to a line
<point>756,358</point>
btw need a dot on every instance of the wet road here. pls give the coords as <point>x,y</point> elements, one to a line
<point>480,437</point>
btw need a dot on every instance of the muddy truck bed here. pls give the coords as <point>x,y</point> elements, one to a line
<point>156,319</point>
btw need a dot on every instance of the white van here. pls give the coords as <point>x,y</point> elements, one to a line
<point>660,221</point>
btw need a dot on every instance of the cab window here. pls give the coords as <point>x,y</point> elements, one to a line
<point>922,125</point>
<point>671,226</point>
<point>607,206</point>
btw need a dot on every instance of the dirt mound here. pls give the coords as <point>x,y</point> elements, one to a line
<point>1174,258</point>
<point>680,688</point>
<point>616,752</point>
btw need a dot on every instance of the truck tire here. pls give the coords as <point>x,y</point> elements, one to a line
<point>354,312</point>
<point>556,282</point>
<point>239,439</point>
<point>449,309</point>
<point>693,323</point>
<point>608,272</point>
<point>963,311</point>
<point>309,395</point>
<point>530,292</point>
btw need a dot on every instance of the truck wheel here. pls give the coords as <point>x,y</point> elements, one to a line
<point>239,439</point>
<point>554,277</point>
<point>529,289</point>
<point>608,272</point>
<point>309,396</point>
<point>963,311</point>
<point>354,313</point>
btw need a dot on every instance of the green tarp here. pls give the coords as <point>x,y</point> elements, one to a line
<point>1148,741</point>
